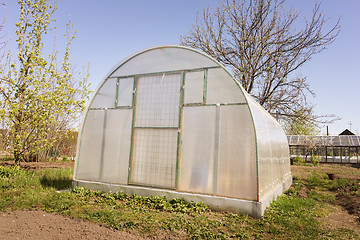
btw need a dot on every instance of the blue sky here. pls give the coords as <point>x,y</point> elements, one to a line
<point>111,30</point>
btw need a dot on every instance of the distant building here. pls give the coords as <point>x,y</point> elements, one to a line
<point>346,132</point>
<point>343,148</point>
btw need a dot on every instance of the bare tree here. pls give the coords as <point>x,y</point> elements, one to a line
<point>258,41</point>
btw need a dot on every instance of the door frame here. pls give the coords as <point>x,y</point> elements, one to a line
<point>179,127</point>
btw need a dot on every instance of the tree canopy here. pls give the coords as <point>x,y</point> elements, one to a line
<point>263,46</point>
<point>40,95</point>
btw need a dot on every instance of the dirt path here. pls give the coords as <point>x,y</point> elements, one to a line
<point>42,225</point>
<point>340,218</point>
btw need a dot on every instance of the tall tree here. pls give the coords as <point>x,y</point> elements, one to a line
<point>263,46</point>
<point>39,94</point>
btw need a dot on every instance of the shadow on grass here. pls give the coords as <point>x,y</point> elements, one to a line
<point>59,183</point>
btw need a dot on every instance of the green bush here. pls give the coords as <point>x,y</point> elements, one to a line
<point>315,160</point>
<point>298,159</point>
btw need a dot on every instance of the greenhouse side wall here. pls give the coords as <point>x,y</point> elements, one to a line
<point>274,175</point>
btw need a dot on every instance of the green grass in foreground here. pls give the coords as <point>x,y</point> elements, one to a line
<point>289,217</point>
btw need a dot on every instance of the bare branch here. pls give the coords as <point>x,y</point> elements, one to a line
<point>258,41</point>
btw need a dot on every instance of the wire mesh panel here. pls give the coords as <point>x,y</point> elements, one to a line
<point>158,101</point>
<point>155,157</point>
<point>156,131</point>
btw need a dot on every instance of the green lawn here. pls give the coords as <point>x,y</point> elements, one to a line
<point>291,216</point>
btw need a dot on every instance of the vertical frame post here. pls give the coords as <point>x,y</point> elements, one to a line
<point>134,104</point>
<point>179,139</point>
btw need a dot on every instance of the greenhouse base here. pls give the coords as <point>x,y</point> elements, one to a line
<point>253,208</point>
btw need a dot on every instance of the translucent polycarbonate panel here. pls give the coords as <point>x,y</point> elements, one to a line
<point>158,101</point>
<point>329,141</point>
<point>355,140</point>
<point>301,140</point>
<point>336,141</point>
<point>89,155</point>
<point>273,150</point>
<point>163,60</point>
<point>105,96</point>
<point>293,140</point>
<point>194,87</point>
<point>125,91</point>
<point>154,159</point>
<point>237,155</point>
<point>345,141</point>
<point>323,141</point>
<point>117,146</point>
<point>197,151</point>
<point>222,88</point>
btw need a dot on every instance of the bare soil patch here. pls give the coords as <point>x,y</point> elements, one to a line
<point>346,208</point>
<point>34,166</point>
<point>340,218</point>
<point>341,171</point>
<point>351,203</point>
<point>43,225</point>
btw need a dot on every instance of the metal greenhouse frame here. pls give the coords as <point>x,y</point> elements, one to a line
<point>172,121</point>
<point>330,149</point>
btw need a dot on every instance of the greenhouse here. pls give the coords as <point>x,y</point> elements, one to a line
<point>329,149</point>
<point>171,121</point>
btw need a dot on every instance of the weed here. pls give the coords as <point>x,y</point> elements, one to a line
<point>315,160</point>
<point>10,172</point>
<point>322,196</point>
<point>298,159</point>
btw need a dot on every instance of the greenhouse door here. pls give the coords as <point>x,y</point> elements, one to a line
<point>155,139</point>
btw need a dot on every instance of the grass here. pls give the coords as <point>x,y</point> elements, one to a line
<point>289,217</point>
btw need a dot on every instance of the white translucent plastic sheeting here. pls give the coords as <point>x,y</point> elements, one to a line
<point>105,97</point>
<point>125,92</point>
<point>198,146</point>
<point>218,152</point>
<point>222,88</point>
<point>89,155</point>
<point>154,159</point>
<point>194,87</point>
<point>117,146</point>
<point>273,150</point>
<point>163,60</point>
<point>237,153</point>
<point>158,101</point>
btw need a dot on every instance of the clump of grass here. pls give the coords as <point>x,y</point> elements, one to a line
<point>298,159</point>
<point>8,172</point>
<point>315,160</point>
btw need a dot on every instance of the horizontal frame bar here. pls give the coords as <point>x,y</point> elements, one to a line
<point>166,72</point>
